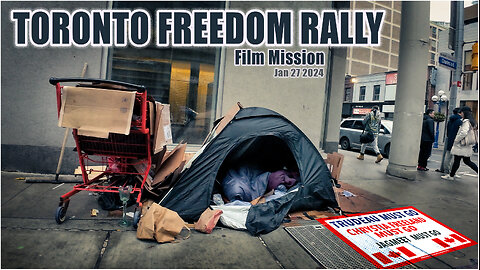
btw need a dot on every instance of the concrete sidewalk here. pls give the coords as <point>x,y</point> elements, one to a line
<point>32,239</point>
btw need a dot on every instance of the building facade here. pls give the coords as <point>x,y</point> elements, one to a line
<point>200,83</point>
<point>467,93</point>
<point>383,58</point>
<point>370,90</point>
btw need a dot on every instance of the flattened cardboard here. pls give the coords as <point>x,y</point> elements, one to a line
<point>151,111</point>
<point>221,125</point>
<point>96,112</point>
<point>228,117</point>
<point>163,129</point>
<point>171,163</point>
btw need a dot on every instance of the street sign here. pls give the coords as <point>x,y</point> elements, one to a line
<point>450,64</point>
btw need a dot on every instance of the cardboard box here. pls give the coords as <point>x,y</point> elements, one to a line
<point>163,130</point>
<point>96,112</point>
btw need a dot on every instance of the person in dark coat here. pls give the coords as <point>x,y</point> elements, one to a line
<point>454,123</point>
<point>428,137</point>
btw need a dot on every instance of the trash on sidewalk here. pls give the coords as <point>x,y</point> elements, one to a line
<point>94,212</point>
<point>159,223</point>
<point>208,220</point>
<point>347,193</point>
<point>115,213</point>
<point>57,186</point>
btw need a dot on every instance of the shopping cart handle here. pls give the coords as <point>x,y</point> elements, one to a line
<point>139,88</point>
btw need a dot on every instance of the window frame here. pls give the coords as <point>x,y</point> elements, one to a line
<point>361,97</point>
<point>376,96</point>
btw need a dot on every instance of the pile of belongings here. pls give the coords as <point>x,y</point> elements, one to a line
<point>246,186</point>
<point>166,166</point>
<point>165,170</point>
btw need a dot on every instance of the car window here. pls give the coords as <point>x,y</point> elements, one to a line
<point>347,124</point>
<point>358,125</point>
<point>385,130</point>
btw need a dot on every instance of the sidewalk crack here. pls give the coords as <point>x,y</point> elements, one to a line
<point>102,251</point>
<point>13,197</point>
<point>271,253</point>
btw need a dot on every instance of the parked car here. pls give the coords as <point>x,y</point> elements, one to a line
<point>350,130</point>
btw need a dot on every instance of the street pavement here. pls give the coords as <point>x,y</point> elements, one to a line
<point>32,239</point>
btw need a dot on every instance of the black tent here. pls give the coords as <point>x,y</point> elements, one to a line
<point>270,141</point>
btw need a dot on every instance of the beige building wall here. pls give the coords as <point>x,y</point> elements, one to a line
<point>301,100</point>
<point>369,60</point>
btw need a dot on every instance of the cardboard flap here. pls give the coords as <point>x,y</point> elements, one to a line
<point>163,130</point>
<point>96,112</point>
<point>93,133</point>
<point>228,117</point>
<point>224,122</point>
<point>171,163</point>
<point>151,111</point>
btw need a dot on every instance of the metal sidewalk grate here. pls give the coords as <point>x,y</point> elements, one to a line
<point>329,250</point>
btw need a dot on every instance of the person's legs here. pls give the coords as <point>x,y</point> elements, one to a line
<point>375,148</point>
<point>456,165</point>
<point>470,164</point>
<point>362,148</point>
<point>423,155</point>
<point>447,162</point>
<point>361,156</point>
<point>375,145</point>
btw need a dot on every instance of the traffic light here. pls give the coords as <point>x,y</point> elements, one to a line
<point>475,56</point>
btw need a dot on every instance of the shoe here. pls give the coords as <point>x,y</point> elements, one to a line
<point>361,157</point>
<point>379,158</point>
<point>420,168</point>
<point>447,177</point>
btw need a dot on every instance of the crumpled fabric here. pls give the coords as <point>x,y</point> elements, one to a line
<point>244,184</point>
<point>282,177</point>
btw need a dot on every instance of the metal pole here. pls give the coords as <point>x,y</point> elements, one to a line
<point>458,56</point>
<point>435,144</point>
<point>410,94</point>
<point>458,71</point>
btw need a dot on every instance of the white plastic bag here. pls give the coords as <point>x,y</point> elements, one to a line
<point>234,216</point>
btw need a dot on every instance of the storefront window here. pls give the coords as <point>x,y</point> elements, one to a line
<point>182,77</point>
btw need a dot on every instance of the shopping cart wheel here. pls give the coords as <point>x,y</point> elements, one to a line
<point>60,214</point>
<point>136,218</point>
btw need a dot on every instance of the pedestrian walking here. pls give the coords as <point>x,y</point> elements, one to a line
<point>454,123</point>
<point>462,145</point>
<point>427,140</point>
<point>371,123</point>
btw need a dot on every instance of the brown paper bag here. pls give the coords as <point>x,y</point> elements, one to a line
<point>160,223</point>
<point>208,220</point>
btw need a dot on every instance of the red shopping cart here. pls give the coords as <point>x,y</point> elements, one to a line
<point>109,163</point>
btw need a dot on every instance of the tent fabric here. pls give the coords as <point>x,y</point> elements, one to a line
<point>250,132</point>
